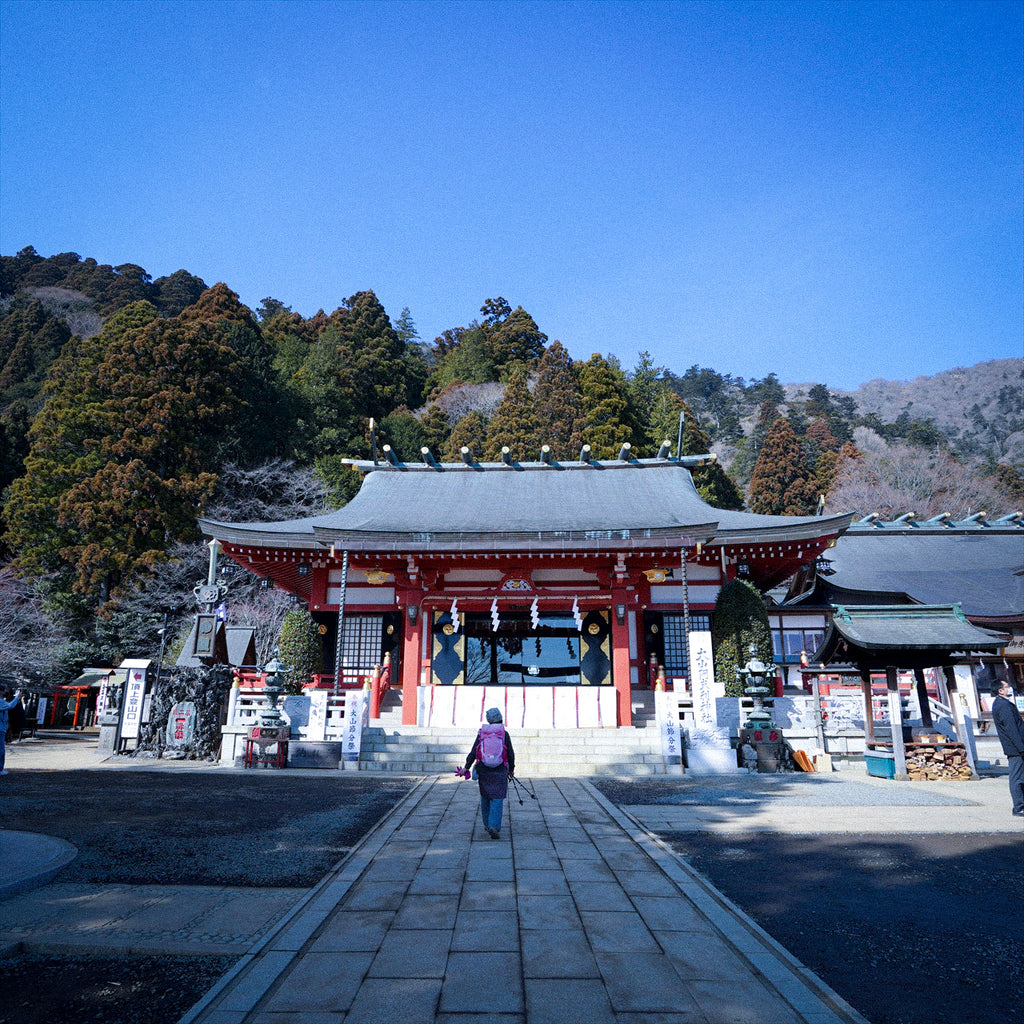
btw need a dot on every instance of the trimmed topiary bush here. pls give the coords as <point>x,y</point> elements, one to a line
<point>741,619</point>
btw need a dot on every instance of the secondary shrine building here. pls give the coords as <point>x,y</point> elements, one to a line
<point>583,579</point>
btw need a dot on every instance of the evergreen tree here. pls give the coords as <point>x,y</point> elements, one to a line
<point>666,414</point>
<point>514,423</point>
<point>374,360</point>
<point>607,414</point>
<point>781,483</point>
<point>740,621</point>
<point>558,403</point>
<point>825,471</point>
<point>30,340</point>
<point>711,481</point>
<point>177,292</point>
<point>470,432</point>
<point>436,430</point>
<point>300,648</point>
<point>514,338</point>
<point>403,432</point>
<point>123,450</point>
<point>259,427</point>
<point>468,361</point>
<point>645,390</point>
<point>328,421</point>
<point>63,442</point>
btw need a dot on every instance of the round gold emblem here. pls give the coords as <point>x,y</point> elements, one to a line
<point>448,629</point>
<point>391,630</point>
<point>593,629</point>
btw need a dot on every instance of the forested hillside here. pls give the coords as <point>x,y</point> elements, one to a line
<point>128,406</point>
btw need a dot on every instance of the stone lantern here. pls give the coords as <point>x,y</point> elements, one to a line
<point>272,731</point>
<point>270,715</point>
<point>759,730</point>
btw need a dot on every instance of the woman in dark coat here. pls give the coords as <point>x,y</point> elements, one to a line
<point>493,781</point>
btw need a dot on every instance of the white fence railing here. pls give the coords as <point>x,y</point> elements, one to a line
<point>316,717</point>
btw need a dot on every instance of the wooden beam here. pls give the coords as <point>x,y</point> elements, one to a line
<point>869,711</point>
<point>922,699</point>
<point>892,682</point>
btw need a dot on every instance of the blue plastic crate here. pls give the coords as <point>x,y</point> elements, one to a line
<point>880,765</point>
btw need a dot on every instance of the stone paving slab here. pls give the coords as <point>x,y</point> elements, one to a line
<point>576,914</point>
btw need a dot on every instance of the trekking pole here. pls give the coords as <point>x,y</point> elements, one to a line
<point>519,791</point>
<point>512,779</point>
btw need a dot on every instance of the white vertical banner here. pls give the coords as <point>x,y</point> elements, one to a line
<point>702,680</point>
<point>134,694</point>
<point>357,710</point>
<point>666,709</point>
<point>316,730</point>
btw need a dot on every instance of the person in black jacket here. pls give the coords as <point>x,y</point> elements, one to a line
<point>1010,728</point>
<point>493,781</point>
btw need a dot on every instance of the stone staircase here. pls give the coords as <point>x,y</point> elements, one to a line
<point>389,746</point>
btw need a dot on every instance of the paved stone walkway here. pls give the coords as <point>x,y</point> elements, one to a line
<point>575,914</point>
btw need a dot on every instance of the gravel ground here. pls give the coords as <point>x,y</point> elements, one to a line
<point>200,828</point>
<point>909,929</point>
<point>173,828</point>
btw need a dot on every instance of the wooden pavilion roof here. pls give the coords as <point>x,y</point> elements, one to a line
<point>901,636</point>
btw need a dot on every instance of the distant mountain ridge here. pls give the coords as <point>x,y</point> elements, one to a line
<point>979,408</point>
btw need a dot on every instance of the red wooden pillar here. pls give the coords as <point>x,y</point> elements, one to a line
<point>620,657</point>
<point>412,644</point>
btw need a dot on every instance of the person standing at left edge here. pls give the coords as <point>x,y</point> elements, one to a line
<point>8,701</point>
<point>1010,727</point>
<point>495,763</point>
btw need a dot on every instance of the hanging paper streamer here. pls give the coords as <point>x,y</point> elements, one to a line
<point>494,615</point>
<point>455,614</point>
<point>534,614</point>
<point>576,614</point>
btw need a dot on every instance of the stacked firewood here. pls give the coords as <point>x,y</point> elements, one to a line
<point>946,763</point>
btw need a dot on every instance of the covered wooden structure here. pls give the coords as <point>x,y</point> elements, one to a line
<point>913,637</point>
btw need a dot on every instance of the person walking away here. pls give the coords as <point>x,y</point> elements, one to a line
<point>495,762</point>
<point>9,701</point>
<point>1010,729</point>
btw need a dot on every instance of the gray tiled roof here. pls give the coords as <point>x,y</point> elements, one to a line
<point>982,570</point>
<point>462,504</point>
<point>901,636</point>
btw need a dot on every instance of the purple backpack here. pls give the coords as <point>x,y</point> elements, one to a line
<point>491,748</point>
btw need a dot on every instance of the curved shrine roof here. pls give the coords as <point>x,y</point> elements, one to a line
<point>574,505</point>
<point>978,565</point>
<point>917,636</point>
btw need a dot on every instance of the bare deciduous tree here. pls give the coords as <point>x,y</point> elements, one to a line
<point>28,639</point>
<point>900,479</point>
<point>272,491</point>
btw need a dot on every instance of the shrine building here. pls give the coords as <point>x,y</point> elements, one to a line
<point>583,578</point>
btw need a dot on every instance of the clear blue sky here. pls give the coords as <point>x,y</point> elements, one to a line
<point>828,191</point>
